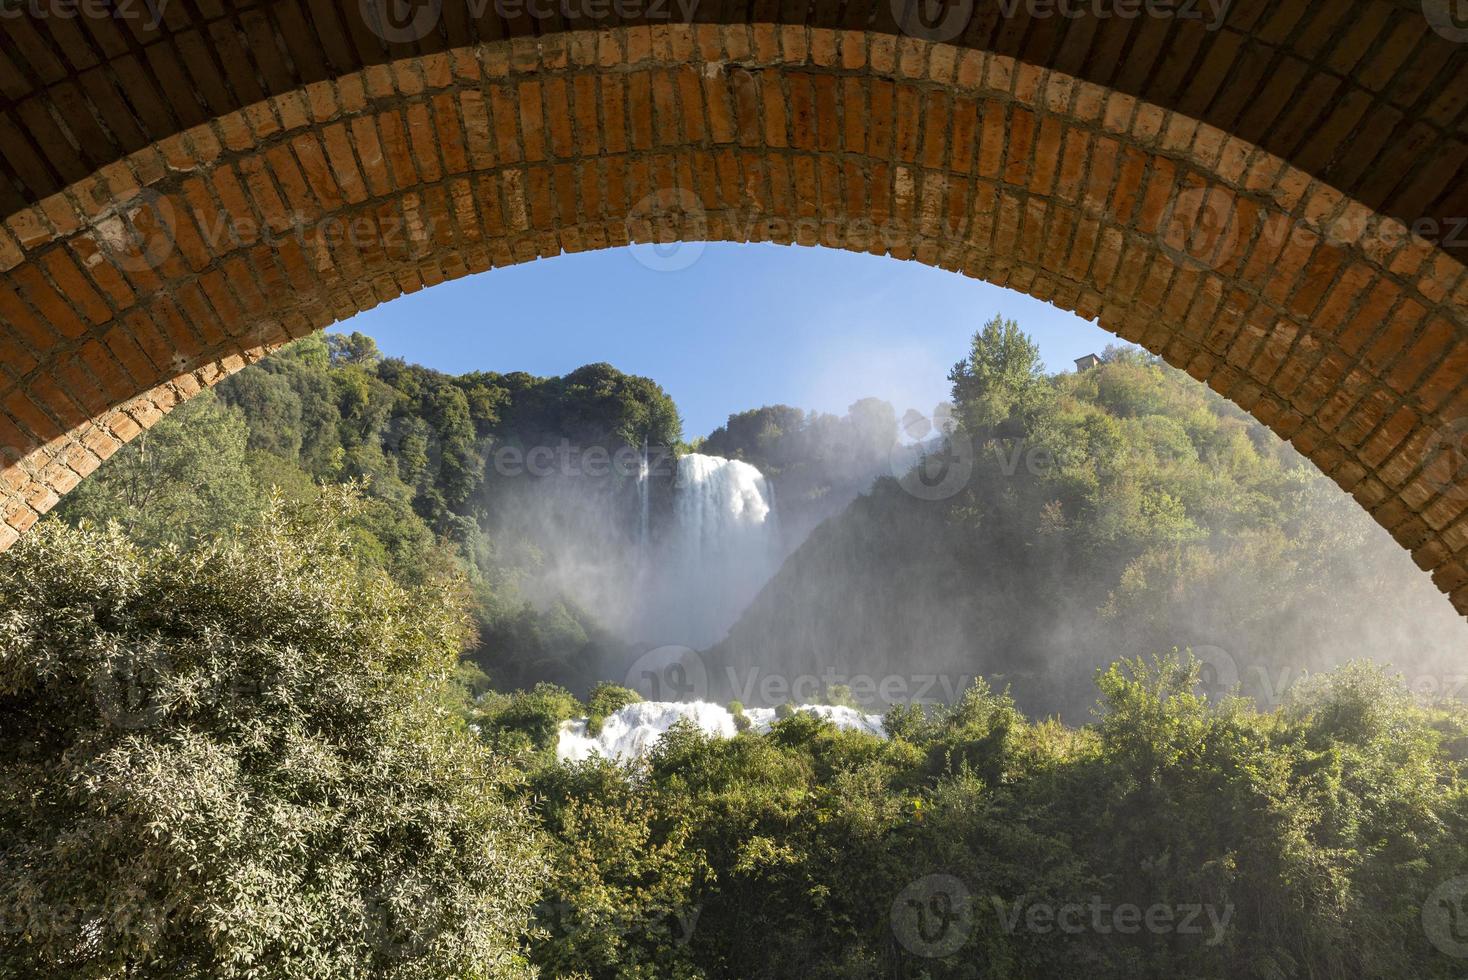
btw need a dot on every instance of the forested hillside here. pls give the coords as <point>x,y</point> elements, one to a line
<point>525,484</point>
<point>330,409</point>
<point>1071,519</point>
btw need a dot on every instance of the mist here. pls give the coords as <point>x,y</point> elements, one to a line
<point>664,548</point>
<point>803,557</point>
<point>1034,586</point>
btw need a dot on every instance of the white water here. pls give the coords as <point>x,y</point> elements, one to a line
<point>631,732</point>
<point>721,504</point>
<point>721,548</point>
<point>643,501</point>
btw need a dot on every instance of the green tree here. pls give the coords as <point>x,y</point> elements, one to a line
<point>597,403</point>
<point>186,476</point>
<point>354,348</point>
<point>1000,378</point>
<point>273,410</point>
<point>233,761</point>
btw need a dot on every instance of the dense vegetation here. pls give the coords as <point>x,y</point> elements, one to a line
<point>1072,519</point>
<point>241,759</point>
<point>1174,837</point>
<point>443,462</point>
<point>297,734</point>
<point>1082,517</point>
<point>250,758</point>
<point>493,474</point>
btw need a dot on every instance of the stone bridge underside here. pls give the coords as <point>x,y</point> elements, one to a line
<point>1274,206</point>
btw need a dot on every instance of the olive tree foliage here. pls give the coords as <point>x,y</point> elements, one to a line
<point>239,760</point>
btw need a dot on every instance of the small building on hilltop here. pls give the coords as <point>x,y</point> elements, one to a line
<point>1087,362</point>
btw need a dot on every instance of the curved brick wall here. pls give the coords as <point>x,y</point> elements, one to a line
<point>1370,96</point>
<point>132,288</point>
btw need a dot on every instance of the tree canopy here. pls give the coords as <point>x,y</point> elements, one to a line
<point>1000,377</point>
<point>239,737</point>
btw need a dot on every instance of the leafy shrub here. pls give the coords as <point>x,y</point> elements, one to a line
<point>232,761</point>
<point>530,719</point>
<point>605,699</point>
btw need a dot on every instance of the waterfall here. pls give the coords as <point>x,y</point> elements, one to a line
<point>722,506</point>
<point>643,498</point>
<point>630,732</point>
<point>719,549</point>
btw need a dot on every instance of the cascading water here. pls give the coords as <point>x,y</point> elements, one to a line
<point>720,547</point>
<point>630,732</point>
<point>723,506</point>
<point>643,500</point>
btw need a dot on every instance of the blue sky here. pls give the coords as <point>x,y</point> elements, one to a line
<point>723,327</point>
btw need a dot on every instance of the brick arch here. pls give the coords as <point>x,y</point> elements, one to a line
<point>133,288</point>
<point>1366,95</point>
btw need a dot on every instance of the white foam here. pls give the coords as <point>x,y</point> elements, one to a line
<point>630,732</point>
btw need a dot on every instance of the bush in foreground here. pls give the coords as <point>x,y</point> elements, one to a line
<point>236,761</point>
